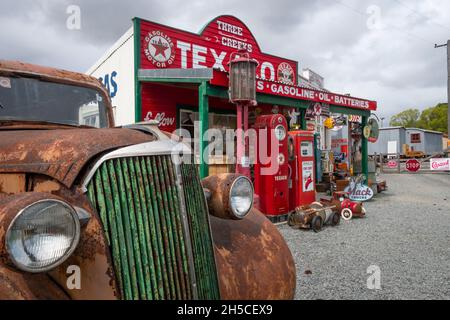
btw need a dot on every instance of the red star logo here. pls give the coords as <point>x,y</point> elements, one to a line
<point>160,48</point>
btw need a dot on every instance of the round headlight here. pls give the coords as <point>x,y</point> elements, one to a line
<point>43,235</point>
<point>241,197</point>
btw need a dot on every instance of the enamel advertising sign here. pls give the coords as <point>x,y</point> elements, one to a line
<point>442,164</point>
<point>165,47</point>
<point>307,174</point>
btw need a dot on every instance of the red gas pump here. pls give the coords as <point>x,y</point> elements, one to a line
<point>302,190</point>
<point>271,167</point>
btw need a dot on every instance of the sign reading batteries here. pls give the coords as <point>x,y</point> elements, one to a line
<point>165,47</point>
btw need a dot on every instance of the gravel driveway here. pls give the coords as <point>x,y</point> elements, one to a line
<point>406,234</point>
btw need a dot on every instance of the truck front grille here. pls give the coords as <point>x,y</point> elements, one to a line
<point>141,208</point>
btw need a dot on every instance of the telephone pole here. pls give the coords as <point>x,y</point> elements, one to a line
<point>448,82</point>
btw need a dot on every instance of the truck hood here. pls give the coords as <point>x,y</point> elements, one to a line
<point>61,153</point>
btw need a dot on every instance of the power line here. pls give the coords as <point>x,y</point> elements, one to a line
<point>387,24</point>
<point>421,14</point>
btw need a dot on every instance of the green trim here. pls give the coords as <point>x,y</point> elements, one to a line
<point>347,110</point>
<point>364,151</point>
<point>203,109</point>
<point>219,92</point>
<point>212,109</point>
<point>303,119</point>
<point>137,64</point>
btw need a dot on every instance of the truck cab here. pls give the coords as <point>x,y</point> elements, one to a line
<point>93,211</point>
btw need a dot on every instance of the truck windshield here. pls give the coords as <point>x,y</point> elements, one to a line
<point>32,99</point>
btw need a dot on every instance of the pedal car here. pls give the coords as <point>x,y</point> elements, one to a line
<point>346,207</point>
<point>314,216</point>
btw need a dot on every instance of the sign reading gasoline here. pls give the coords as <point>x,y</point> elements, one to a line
<point>166,47</point>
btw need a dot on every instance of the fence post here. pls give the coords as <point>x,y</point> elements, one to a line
<point>381,163</point>
<point>398,163</point>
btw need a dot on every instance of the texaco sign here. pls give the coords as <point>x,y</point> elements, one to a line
<point>159,49</point>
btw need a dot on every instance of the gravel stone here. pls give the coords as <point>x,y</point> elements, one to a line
<point>406,233</point>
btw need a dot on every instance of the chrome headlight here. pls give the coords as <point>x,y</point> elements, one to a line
<point>43,235</point>
<point>241,197</point>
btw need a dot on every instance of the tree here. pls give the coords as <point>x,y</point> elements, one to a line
<point>407,118</point>
<point>434,118</point>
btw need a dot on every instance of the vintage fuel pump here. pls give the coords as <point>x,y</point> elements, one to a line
<point>271,167</point>
<point>302,189</point>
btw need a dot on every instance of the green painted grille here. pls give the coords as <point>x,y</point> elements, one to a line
<point>201,237</point>
<point>140,207</point>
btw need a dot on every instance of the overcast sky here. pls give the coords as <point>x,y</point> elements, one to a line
<point>377,49</point>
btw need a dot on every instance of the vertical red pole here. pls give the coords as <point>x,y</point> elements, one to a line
<point>246,170</point>
<point>239,136</point>
<point>242,141</point>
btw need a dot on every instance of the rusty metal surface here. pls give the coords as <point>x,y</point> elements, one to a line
<point>253,260</point>
<point>60,154</point>
<point>91,256</point>
<point>16,285</point>
<point>17,68</point>
<point>219,186</point>
<point>12,183</point>
<point>9,207</point>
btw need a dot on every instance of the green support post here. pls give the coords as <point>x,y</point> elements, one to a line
<point>203,108</point>
<point>303,119</point>
<point>137,65</point>
<point>365,156</point>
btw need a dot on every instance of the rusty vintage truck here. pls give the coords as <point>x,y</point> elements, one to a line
<point>117,207</point>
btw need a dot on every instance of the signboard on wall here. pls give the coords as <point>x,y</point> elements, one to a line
<point>163,47</point>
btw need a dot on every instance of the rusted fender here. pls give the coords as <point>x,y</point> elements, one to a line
<point>16,285</point>
<point>60,154</point>
<point>219,202</point>
<point>91,256</point>
<point>253,260</point>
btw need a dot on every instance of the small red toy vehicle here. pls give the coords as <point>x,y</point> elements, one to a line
<point>345,206</point>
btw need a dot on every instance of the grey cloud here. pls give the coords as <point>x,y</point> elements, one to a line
<point>397,65</point>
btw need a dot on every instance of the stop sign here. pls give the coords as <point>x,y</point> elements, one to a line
<point>412,165</point>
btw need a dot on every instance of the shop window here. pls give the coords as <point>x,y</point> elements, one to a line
<point>415,137</point>
<point>221,122</point>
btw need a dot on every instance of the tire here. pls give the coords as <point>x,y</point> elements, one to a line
<point>317,223</point>
<point>335,219</point>
<point>346,214</point>
<point>290,221</point>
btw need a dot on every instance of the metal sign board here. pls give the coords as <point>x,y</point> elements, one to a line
<point>412,165</point>
<point>441,164</point>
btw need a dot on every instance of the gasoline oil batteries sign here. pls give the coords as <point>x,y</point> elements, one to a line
<point>307,174</point>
